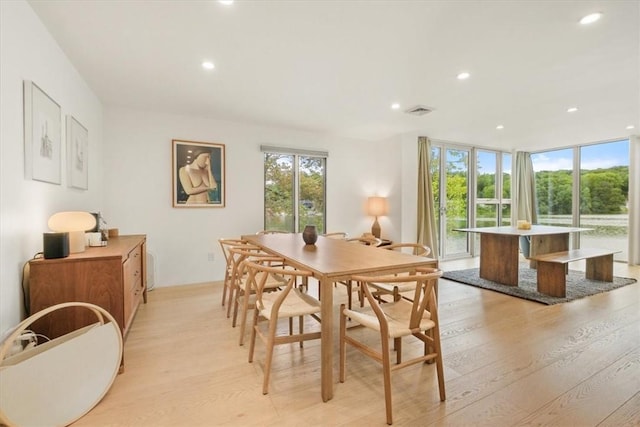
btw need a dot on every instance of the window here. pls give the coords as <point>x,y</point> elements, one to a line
<point>458,205</point>
<point>602,187</point>
<point>493,188</point>
<point>604,196</point>
<point>294,189</point>
<point>554,186</point>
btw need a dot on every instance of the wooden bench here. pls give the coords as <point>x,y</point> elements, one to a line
<point>552,268</point>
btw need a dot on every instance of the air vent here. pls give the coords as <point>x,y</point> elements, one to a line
<point>419,110</point>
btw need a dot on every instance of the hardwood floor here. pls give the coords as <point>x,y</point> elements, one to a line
<point>508,362</point>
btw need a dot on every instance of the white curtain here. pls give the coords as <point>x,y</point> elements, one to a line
<point>426,215</point>
<point>634,199</point>
<point>524,189</point>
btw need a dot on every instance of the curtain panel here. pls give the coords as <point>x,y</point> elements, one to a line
<point>524,189</point>
<point>426,214</point>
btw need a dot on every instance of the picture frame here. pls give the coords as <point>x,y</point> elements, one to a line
<point>77,154</point>
<point>198,172</point>
<point>42,135</point>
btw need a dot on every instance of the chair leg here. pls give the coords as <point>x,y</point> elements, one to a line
<point>243,319</point>
<point>269,356</point>
<point>386,373</point>
<point>397,345</point>
<point>301,329</point>
<point>235,311</point>
<point>230,300</point>
<point>439,364</point>
<point>252,345</point>
<point>343,345</point>
<point>224,287</point>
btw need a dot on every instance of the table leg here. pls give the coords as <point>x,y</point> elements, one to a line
<point>499,258</point>
<point>546,244</point>
<point>326,340</point>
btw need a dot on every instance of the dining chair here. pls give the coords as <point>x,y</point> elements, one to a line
<point>287,303</point>
<point>226,244</point>
<point>362,240</point>
<point>238,255</point>
<point>272,232</point>
<point>340,235</point>
<point>365,240</point>
<point>394,320</point>
<point>246,292</point>
<point>396,289</point>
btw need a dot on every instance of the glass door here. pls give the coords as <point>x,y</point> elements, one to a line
<point>450,174</point>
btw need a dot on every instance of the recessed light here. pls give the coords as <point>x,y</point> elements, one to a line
<point>572,109</point>
<point>226,2</point>
<point>500,127</point>
<point>631,127</point>
<point>464,75</point>
<point>208,65</point>
<point>591,18</point>
<point>395,106</point>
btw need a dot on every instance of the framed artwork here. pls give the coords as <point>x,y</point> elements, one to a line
<point>198,174</point>
<point>77,154</point>
<point>42,135</point>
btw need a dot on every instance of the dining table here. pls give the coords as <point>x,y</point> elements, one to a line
<point>500,248</point>
<point>330,261</point>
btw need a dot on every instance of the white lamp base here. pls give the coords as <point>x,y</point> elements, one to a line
<point>77,242</point>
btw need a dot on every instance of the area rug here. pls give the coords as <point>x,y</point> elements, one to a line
<point>577,285</point>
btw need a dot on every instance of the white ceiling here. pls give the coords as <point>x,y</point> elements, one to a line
<point>335,67</point>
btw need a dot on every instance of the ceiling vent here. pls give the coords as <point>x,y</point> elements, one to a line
<point>419,110</point>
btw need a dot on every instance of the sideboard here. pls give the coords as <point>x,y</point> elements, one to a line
<point>112,277</point>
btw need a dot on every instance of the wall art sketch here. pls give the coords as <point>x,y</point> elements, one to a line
<point>77,154</point>
<point>198,172</point>
<point>42,135</point>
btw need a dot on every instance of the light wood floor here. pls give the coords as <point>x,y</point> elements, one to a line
<point>508,362</point>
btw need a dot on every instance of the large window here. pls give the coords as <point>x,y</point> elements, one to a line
<point>604,196</point>
<point>586,186</point>
<point>493,188</point>
<point>455,171</point>
<point>294,189</point>
<point>554,186</point>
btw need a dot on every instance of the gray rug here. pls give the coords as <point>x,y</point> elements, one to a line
<point>577,285</point>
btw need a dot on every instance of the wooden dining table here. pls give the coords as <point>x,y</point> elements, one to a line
<point>332,260</point>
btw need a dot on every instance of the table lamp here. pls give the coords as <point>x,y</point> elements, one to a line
<point>376,206</point>
<point>75,223</point>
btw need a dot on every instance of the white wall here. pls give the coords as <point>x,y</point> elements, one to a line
<point>130,171</point>
<point>139,181</point>
<point>409,194</point>
<point>28,52</point>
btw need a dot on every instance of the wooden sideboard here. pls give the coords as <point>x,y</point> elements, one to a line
<point>112,277</point>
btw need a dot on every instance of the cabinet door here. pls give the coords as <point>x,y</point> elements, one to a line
<point>98,282</point>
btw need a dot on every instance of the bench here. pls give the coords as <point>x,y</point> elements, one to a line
<point>552,268</point>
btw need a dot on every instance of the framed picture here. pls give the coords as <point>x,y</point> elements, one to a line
<point>77,154</point>
<point>42,135</point>
<point>198,174</point>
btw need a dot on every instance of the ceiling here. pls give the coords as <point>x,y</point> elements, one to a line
<point>335,67</point>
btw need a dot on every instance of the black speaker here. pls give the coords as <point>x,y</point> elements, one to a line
<point>56,245</point>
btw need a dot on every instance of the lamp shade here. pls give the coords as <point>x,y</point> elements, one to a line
<point>75,223</point>
<point>377,206</point>
<point>72,221</point>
